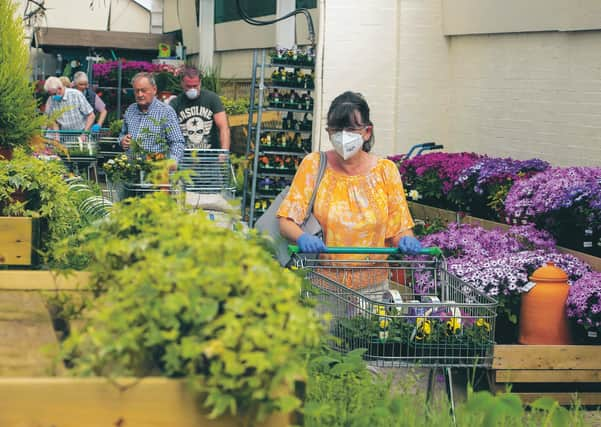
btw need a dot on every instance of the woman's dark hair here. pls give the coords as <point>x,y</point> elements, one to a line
<point>342,114</point>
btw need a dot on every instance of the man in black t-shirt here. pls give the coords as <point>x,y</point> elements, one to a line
<point>201,114</point>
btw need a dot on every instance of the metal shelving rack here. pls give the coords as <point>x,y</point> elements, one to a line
<point>252,193</point>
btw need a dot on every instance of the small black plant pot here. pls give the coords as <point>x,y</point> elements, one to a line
<point>386,349</point>
<point>581,336</point>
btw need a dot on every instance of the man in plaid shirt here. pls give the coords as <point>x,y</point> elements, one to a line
<point>150,122</point>
<point>78,113</point>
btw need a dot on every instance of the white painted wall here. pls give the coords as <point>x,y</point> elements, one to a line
<point>423,78</point>
<point>126,15</point>
<point>528,94</point>
<point>359,41</point>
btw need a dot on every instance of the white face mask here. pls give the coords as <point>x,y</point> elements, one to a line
<point>346,144</point>
<point>192,93</point>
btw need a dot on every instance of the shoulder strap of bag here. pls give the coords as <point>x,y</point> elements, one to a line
<point>323,162</point>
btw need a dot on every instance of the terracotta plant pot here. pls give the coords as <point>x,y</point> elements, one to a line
<point>543,317</point>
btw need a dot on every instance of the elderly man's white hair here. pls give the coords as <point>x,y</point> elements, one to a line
<point>80,76</point>
<point>53,83</point>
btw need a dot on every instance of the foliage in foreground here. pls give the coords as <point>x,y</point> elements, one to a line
<point>19,117</point>
<point>342,392</point>
<point>180,297</point>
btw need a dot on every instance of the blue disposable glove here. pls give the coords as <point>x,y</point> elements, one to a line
<point>309,243</point>
<point>95,128</point>
<point>410,245</point>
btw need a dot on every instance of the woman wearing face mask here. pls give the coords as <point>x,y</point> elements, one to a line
<point>360,201</point>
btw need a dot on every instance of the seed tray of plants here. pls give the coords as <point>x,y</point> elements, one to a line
<point>299,57</point>
<point>404,312</point>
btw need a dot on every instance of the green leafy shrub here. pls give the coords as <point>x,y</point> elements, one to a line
<point>34,188</point>
<point>211,79</point>
<point>167,81</point>
<point>115,127</point>
<point>181,297</point>
<point>235,106</point>
<point>341,391</point>
<point>19,116</point>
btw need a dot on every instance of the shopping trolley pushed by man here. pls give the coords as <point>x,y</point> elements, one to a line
<point>78,150</point>
<point>404,311</point>
<point>211,172</point>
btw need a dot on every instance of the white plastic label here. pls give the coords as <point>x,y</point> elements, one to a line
<point>528,286</point>
<point>392,296</point>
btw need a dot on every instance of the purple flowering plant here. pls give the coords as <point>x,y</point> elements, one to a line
<point>483,187</point>
<point>498,262</point>
<point>584,301</point>
<point>564,201</point>
<point>433,175</point>
<point>108,70</point>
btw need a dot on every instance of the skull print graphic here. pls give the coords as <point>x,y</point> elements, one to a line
<point>197,131</point>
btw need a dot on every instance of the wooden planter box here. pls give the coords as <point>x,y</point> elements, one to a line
<point>35,390</point>
<point>17,237</point>
<point>425,212</point>
<point>558,371</point>
<point>242,119</point>
<point>94,402</point>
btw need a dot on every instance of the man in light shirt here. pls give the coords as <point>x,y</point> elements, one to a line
<point>150,122</point>
<point>78,114</point>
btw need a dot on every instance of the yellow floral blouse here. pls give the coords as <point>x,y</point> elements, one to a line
<point>360,211</point>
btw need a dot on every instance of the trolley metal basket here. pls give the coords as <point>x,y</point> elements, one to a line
<point>211,172</point>
<point>80,153</point>
<point>403,312</point>
<point>117,191</point>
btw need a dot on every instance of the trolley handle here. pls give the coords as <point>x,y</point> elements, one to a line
<point>432,251</point>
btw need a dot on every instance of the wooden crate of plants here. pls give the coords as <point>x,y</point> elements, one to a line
<point>36,388</point>
<point>562,372</point>
<point>425,212</point>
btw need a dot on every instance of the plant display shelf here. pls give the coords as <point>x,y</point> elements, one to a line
<point>257,105</point>
<point>280,151</point>
<point>293,110</point>
<point>421,211</point>
<point>285,130</point>
<point>35,389</point>
<point>280,86</point>
<point>561,372</point>
<point>292,64</point>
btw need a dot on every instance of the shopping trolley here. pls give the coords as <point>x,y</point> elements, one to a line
<point>404,312</point>
<point>118,191</point>
<point>109,147</point>
<point>211,172</point>
<point>79,150</point>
